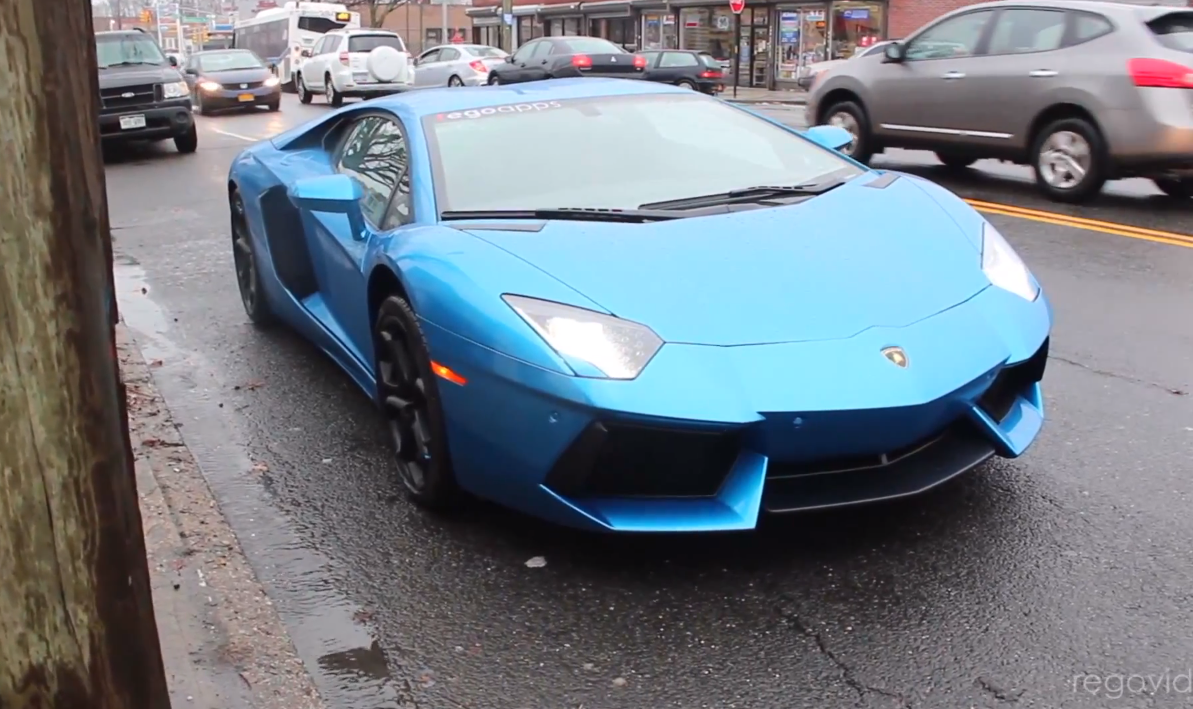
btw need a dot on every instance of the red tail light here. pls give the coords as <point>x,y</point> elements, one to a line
<point>581,61</point>
<point>639,61</point>
<point>1160,73</point>
<point>344,58</point>
<point>711,74</point>
<point>478,65</point>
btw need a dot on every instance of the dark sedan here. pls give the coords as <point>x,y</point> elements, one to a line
<point>567,57</point>
<point>699,71</point>
<point>227,78</point>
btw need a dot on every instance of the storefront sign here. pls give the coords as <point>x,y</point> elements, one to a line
<point>855,14</point>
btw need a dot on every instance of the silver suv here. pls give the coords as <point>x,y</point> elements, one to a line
<point>1082,90</point>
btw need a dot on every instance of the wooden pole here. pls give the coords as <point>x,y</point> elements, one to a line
<point>77,629</point>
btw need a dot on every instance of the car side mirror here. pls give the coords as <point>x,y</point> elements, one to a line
<point>509,59</point>
<point>893,53</point>
<point>173,61</point>
<point>831,137</point>
<point>331,194</point>
<point>305,54</point>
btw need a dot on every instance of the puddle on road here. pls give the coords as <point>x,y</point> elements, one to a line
<point>349,667</point>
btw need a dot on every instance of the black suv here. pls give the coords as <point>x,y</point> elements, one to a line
<point>142,95</point>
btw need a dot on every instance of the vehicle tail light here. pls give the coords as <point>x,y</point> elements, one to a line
<point>711,74</point>
<point>639,61</point>
<point>581,61</point>
<point>344,58</point>
<point>1160,73</point>
<point>478,65</point>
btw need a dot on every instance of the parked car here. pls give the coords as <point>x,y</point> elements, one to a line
<point>230,78</point>
<point>564,57</point>
<point>1081,90</point>
<point>142,95</point>
<point>358,63</point>
<point>456,65</point>
<point>815,69</point>
<point>698,71</point>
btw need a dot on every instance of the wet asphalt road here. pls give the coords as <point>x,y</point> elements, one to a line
<point>999,590</point>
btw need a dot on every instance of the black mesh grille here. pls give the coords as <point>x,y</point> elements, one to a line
<point>129,97</point>
<point>618,460</point>
<point>1011,382</point>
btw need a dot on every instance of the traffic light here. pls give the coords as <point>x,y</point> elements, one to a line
<point>146,16</point>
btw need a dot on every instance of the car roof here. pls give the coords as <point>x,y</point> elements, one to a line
<point>431,102</point>
<point>225,50</point>
<point>1136,8</point>
<point>364,30</point>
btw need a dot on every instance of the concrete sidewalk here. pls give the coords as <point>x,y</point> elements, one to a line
<point>753,96</point>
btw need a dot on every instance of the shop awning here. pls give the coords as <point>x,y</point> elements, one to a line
<point>606,9</point>
<point>557,10</point>
<point>526,9</point>
<point>487,21</point>
<point>490,11</point>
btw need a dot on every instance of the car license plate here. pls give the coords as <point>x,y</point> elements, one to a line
<point>131,122</point>
<point>360,78</point>
<point>246,97</point>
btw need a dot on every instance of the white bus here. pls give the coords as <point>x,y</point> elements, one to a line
<point>279,35</point>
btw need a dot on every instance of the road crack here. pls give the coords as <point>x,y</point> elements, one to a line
<point>1117,375</point>
<point>1002,695</point>
<point>848,675</point>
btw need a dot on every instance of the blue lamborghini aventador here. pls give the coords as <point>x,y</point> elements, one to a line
<point>624,306</point>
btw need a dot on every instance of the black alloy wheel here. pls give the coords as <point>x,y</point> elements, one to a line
<point>455,82</point>
<point>248,279</point>
<point>409,397</point>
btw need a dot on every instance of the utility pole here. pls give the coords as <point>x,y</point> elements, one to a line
<point>443,20</point>
<point>77,628</point>
<point>507,27</point>
<point>118,11</point>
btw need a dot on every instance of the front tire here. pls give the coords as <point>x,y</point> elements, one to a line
<point>1175,187</point>
<point>1069,159</point>
<point>248,276</point>
<point>304,94</point>
<point>852,118</point>
<point>955,161</point>
<point>686,85</point>
<point>455,82</point>
<point>494,79</point>
<point>188,142</point>
<point>408,394</point>
<point>335,99</point>
<point>275,106</point>
<point>202,105</point>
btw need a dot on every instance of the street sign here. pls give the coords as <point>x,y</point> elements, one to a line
<point>737,6</point>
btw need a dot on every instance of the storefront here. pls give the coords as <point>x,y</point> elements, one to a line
<point>528,24</point>
<point>612,20</point>
<point>486,25</point>
<point>657,26</point>
<point>811,33</point>
<point>565,20</point>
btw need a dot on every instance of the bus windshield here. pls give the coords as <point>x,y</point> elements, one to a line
<point>319,25</point>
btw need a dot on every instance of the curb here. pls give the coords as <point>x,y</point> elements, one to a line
<point>769,101</point>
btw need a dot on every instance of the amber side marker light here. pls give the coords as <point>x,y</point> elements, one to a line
<point>444,372</point>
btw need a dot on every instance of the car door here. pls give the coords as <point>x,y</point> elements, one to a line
<point>923,97</point>
<point>1017,76</point>
<point>374,153</point>
<point>519,67</point>
<point>316,74</point>
<point>448,65</point>
<point>424,70</point>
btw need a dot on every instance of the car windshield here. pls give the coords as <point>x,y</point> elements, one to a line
<point>486,52</point>
<point>369,42</point>
<point>593,45</point>
<point>117,49</point>
<point>229,61</point>
<point>1174,30</point>
<point>623,151</point>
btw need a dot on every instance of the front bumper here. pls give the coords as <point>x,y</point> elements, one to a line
<point>709,437</point>
<point>162,120</point>
<point>228,97</point>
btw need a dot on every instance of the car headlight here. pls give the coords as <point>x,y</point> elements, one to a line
<point>271,81</point>
<point>209,86</point>
<point>175,89</point>
<point>619,349</point>
<point>1003,266</point>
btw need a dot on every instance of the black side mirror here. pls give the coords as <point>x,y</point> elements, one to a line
<point>893,53</point>
<point>306,54</point>
<point>509,59</point>
<point>173,60</point>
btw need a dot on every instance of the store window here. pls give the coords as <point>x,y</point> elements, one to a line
<point>529,28</point>
<point>856,26</point>
<point>571,27</point>
<point>707,29</point>
<point>658,31</point>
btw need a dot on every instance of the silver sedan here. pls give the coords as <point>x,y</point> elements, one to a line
<point>456,65</point>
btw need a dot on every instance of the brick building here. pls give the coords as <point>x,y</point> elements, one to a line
<point>778,38</point>
<point>421,24</point>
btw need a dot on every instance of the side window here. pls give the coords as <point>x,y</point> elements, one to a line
<point>1022,31</point>
<point>449,54</point>
<point>673,60</point>
<point>374,154</point>
<point>192,65</point>
<point>546,48</point>
<point>955,37</point>
<point>1088,26</point>
<point>431,56</point>
<point>318,48</point>
<point>526,50</point>
<point>330,43</point>
<point>651,57</point>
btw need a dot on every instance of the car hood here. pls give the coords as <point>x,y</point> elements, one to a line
<point>117,76</point>
<point>828,268</point>
<point>233,76</point>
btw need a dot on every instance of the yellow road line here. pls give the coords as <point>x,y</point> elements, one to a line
<point>1036,215</point>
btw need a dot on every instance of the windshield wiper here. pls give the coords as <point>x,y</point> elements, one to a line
<point>747,194</point>
<point>579,214</point>
<point>130,63</point>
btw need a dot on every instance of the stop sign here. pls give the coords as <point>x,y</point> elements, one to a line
<point>737,6</point>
